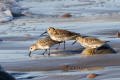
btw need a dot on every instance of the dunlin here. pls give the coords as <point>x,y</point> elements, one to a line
<point>90,42</point>
<point>43,44</point>
<point>61,35</point>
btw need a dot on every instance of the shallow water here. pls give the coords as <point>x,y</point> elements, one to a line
<point>89,17</point>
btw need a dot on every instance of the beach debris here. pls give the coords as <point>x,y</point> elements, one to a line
<point>13,6</point>
<point>5,16</point>
<point>9,9</point>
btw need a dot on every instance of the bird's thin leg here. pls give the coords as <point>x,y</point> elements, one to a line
<point>64,45</point>
<point>94,51</point>
<point>58,46</point>
<point>49,52</point>
<point>44,52</point>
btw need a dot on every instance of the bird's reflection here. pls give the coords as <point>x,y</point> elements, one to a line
<point>105,49</point>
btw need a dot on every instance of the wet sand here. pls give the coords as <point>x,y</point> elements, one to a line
<point>49,63</point>
<point>16,37</point>
<point>15,58</point>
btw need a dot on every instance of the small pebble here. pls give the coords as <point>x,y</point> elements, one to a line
<point>118,35</point>
<point>91,75</point>
<point>67,15</point>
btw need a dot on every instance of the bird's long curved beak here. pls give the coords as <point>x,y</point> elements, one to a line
<point>29,53</point>
<point>73,42</point>
<point>43,33</point>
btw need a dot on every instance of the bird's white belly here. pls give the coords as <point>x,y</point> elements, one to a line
<point>91,45</point>
<point>61,38</point>
<point>43,47</point>
<point>84,45</point>
<point>95,45</point>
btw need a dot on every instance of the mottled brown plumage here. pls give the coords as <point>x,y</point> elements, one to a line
<point>61,35</point>
<point>43,44</point>
<point>90,42</point>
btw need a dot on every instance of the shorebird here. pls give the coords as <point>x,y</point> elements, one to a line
<point>90,42</point>
<point>61,35</point>
<point>43,44</point>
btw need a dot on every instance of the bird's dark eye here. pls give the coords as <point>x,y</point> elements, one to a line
<point>31,48</point>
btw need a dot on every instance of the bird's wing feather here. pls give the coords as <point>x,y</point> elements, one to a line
<point>46,41</point>
<point>60,32</point>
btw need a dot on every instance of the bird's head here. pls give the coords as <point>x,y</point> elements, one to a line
<point>32,48</point>
<point>50,29</point>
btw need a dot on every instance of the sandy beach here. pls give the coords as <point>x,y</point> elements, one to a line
<point>89,17</point>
